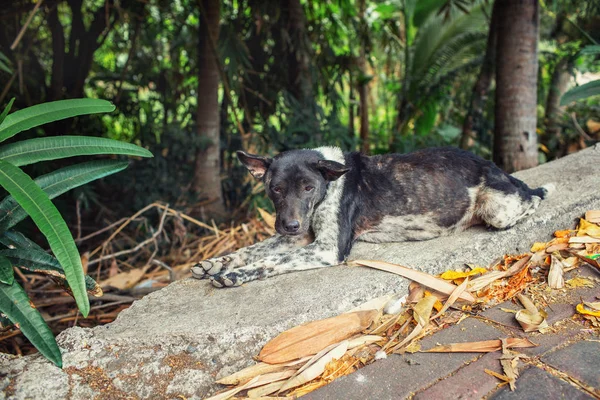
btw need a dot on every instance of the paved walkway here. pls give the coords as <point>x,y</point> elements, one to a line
<point>565,365</point>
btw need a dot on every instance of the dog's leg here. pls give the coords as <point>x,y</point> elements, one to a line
<point>247,255</point>
<point>315,255</point>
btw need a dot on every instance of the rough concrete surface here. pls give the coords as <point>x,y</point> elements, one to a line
<point>176,341</point>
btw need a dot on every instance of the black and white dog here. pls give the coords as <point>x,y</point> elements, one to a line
<point>325,200</point>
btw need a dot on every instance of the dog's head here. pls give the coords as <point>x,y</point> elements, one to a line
<point>296,181</point>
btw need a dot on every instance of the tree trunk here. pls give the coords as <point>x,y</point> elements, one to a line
<point>351,100</point>
<point>515,139</point>
<point>558,86</point>
<point>208,163</point>
<point>363,83</point>
<point>58,55</point>
<point>300,79</point>
<point>473,123</point>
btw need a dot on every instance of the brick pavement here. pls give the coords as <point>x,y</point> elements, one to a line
<point>565,365</point>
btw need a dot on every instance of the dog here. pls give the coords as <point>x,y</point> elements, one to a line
<point>325,200</point>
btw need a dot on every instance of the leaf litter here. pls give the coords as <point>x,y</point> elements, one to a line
<point>328,349</point>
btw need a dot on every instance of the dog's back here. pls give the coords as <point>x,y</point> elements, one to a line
<point>429,193</point>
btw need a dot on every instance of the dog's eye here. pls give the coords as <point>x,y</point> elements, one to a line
<point>308,188</point>
<point>276,189</point>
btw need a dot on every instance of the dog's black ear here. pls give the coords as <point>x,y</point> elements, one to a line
<point>257,165</point>
<point>331,170</point>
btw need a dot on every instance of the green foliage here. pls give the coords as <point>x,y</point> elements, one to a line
<point>33,198</point>
<point>15,304</point>
<point>581,92</point>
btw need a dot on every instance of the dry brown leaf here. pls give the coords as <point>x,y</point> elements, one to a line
<point>362,340</point>
<point>421,277</point>
<point>531,319</point>
<point>485,346</point>
<point>248,373</point>
<point>483,281</point>
<point>415,293</point>
<point>125,280</point>
<point>453,297</point>
<point>509,361</point>
<point>593,216</point>
<point>497,375</point>
<point>587,228</point>
<point>584,239</point>
<point>312,337</point>
<point>317,368</point>
<point>555,275</point>
<point>265,390</point>
<point>579,282</point>
<point>232,392</point>
<point>421,313</point>
<point>373,304</point>
<point>588,260</point>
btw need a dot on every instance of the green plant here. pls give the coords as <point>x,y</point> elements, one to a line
<point>586,90</point>
<point>33,198</point>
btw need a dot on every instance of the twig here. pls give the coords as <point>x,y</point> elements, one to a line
<point>165,266</point>
<point>136,248</point>
<point>127,221</point>
<point>578,127</point>
<point>27,22</point>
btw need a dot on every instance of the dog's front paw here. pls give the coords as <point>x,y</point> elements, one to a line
<point>212,266</point>
<point>227,279</point>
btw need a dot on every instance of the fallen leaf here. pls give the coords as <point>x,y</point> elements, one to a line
<point>484,280</point>
<point>584,239</point>
<point>125,280</point>
<point>312,337</point>
<point>250,372</point>
<point>563,234</point>
<point>537,246</point>
<point>373,304</point>
<point>497,375</point>
<point>486,346</point>
<point>593,216</point>
<point>587,228</point>
<point>555,275</point>
<point>579,282</point>
<point>425,279</point>
<point>452,275</point>
<point>453,297</point>
<point>531,319</point>
<point>362,340</point>
<point>509,362</point>
<point>581,309</point>
<point>588,260</point>
<point>421,313</point>
<point>232,392</point>
<point>415,292</point>
<point>265,390</point>
<point>317,368</point>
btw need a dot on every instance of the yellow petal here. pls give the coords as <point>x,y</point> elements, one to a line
<point>537,246</point>
<point>582,310</point>
<point>587,228</point>
<point>451,275</point>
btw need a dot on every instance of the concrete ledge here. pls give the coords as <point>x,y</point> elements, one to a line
<point>178,340</point>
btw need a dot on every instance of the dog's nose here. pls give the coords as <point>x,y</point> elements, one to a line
<point>292,226</point>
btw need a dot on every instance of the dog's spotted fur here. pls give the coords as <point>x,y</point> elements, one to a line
<point>338,198</point>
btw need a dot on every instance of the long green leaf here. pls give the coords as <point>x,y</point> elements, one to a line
<point>6,110</point>
<point>581,92</point>
<point>52,148</point>
<point>14,239</point>
<point>45,215</point>
<point>7,275</point>
<point>57,183</point>
<point>44,263</point>
<point>40,114</point>
<point>15,304</point>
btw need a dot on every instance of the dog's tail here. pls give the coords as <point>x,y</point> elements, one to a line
<point>544,191</point>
